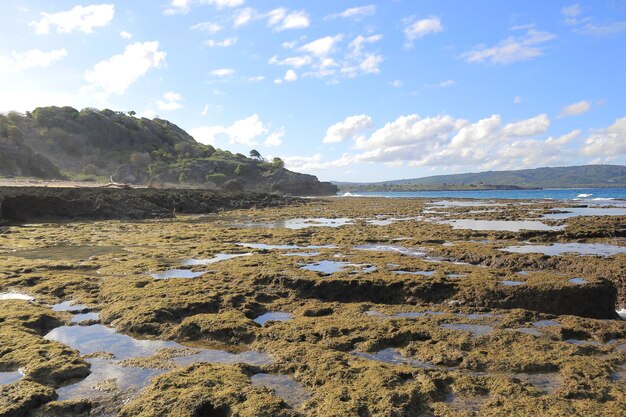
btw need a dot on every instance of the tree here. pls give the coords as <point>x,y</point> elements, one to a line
<point>132,113</point>
<point>255,154</point>
<point>278,163</point>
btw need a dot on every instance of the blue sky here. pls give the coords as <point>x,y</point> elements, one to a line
<point>346,90</point>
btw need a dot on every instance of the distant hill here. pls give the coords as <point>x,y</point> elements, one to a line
<point>586,176</point>
<point>96,145</point>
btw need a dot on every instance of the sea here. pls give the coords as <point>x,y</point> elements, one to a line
<point>587,195</point>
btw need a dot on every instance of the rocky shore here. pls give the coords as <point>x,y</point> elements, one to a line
<point>22,204</point>
<point>322,308</point>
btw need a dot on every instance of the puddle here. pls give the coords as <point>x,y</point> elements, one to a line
<point>423,273</point>
<point>475,329</point>
<point>15,296</point>
<point>108,374</point>
<point>460,403</point>
<point>407,315</point>
<point>500,225</point>
<point>621,313</point>
<point>470,203</point>
<point>529,330</point>
<point>296,224</point>
<point>512,283</point>
<point>579,281</point>
<point>264,246</point>
<point>68,306</point>
<point>217,258</point>
<point>456,275</point>
<point>393,357</point>
<point>98,338</point>
<point>554,249</point>
<point>177,273</point>
<point>7,378</point>
<point>331,267</point>
<point>578,342</point>
<point>273,316</point>
<point>569,212</point>
<point>549,383</point>
<point>105,376</point>
<point>79,318</point>
<point>477,316</point>
<point>391,248</point>
<point>620,374</point>
<point>303,254</point>
<point>68,252</point>
<point>546,323</point>
<point>284,387</point>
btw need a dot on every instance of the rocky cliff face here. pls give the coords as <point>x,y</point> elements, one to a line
<point>99,144</point>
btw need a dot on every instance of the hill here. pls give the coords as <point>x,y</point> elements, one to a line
<point>586,176</point>
<point>62,142</point>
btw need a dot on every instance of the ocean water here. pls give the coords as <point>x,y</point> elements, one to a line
<point>586,195</point>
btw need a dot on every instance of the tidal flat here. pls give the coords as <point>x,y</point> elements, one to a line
<point>420,319</point>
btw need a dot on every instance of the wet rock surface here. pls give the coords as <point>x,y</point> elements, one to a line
<point>473,331</point>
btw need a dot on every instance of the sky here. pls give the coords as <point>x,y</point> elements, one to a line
<point>345,90</point>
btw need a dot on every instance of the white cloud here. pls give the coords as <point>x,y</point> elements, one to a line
<point>571,11</point>
<point>603,29</point>
<point>172,101</point>
<point>205,110</point>
<point>224,43</point>
<point>183,6</point>
<point>355,13</point>
<point>575,109</point>
<point>396,83</point>
<point>80,18</point>
<point>125,35</point>
<point>207,135</point>
<point>529,127</point>
<point>350,127</point>
<point>116,74</point>
<point>281,19</point>
<point>290,76</point>
<point>323,46</point>
<point>608,143</point>
<point>34,58</point>
<point>445,84</point>
<point>421,28</point>
<point>517,100</point>
<point>210,27</point>
<point>222,72</point>
<point>246,131</point>
<point>244,16</point>
<point>275,138</point>
<point>511,49</point>
<point>314,163</point>
<point>256,78</point>
<point>327,57</point>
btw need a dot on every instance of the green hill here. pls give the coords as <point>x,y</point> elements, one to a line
<point>62,142</point>
<point>586,176</point>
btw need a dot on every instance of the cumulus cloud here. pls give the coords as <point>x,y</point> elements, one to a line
<point>314,163</point>
<point>575,109</point>
<point>529,127</point>
<point>350,127</point>
<point>183,6</point>
<point>607,144</point>
<point>116,74</point>
<point>511,49</point>
<point>125,35</point>
<point>222,72</point>
<point>209,27</point>
<point>603,29</point>
<point>224,43</point>
<point>80,18</point>
<point>246,131</point>
<point>421,28</point>
<point>290,76</point>
<point>275,138</point>
<point>354,13</point>
<point>34,58</point>
<point>171,101</point>
<point>330,57</point>
<point>281,19</point>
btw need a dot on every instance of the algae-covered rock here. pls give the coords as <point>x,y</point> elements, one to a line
<point>229,327</point>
